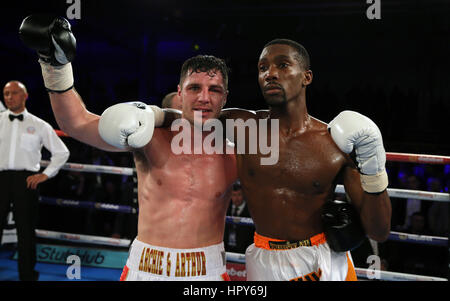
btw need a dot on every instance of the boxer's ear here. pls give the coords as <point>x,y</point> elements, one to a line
<point>308,77</point>
<point>225,98</point>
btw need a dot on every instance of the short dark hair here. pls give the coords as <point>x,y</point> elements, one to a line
<point>302,53</point>
<point>204,63</point>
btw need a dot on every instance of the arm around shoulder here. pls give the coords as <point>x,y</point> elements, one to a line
<point>129,125</point>
<point>236,113</point>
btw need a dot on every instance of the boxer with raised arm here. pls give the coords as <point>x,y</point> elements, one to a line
<point>182,198</point>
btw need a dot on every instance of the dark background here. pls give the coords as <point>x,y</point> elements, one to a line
<point>394,70</point>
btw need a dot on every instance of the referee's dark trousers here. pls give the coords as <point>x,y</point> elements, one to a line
<point>13,188</point>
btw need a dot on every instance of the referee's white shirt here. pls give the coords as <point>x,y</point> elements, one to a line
<point>21,144</point>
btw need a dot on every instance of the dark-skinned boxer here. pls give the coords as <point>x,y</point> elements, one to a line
<point>301,232</point>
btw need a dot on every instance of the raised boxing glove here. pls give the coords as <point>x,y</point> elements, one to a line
<point>351,130</point>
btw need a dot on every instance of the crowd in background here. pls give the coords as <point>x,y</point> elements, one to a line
<point>392,70</point>
<point>408,215</point>
<point>420,217</point>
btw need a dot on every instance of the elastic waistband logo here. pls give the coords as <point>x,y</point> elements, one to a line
<point>286,245</point>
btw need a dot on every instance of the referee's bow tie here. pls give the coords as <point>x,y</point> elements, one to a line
<point>12,117</point>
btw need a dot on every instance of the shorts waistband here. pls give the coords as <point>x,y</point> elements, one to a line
<point>267,243</point>
<point>176,263</point>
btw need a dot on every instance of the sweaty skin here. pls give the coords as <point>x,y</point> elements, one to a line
<point>285,199</point>
<point>182,198</point>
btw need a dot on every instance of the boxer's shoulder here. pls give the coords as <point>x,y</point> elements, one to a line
<point>320,139</point>
<point>319,132</point>
<point>326,140</point>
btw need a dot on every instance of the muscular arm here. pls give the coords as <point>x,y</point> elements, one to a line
<point>169,116</point>
<point>236,113</point>
<point>74,119</point>
<point>232,113</point>
<point>374,209</point>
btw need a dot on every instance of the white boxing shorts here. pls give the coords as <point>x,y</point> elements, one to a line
<point>151,263</point>
<point>311,259</point>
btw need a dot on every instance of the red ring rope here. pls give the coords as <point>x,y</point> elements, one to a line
<point>396,157</point>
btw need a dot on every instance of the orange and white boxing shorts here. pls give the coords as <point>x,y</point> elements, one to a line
<point>151,263</point>
<point>311,259</point>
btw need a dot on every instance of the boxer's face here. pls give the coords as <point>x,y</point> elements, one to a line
<point>280,75</point>
<point>15,97</point>
<point>203,93</point>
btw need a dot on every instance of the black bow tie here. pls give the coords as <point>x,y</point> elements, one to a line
<point>12,117</point>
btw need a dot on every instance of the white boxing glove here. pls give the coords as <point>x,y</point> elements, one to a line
<point>351,130</point>
<point>129,125</point>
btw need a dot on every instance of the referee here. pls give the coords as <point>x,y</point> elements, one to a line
<point>22,136</point>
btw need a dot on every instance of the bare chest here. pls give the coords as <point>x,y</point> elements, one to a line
<point>306,164</point>
<point>198,173</point>
<point>186,176</point>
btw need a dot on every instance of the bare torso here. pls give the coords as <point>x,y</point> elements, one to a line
<point>285,199</point>
<point>182,198</point>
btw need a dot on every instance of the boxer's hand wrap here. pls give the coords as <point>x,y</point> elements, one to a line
<point>57,78</point>
<point>351,130</point>
<point>55,44</point>
<point>129,125</point>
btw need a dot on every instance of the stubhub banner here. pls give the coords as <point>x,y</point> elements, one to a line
<point>88,256</point>
<point>107,259</point>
